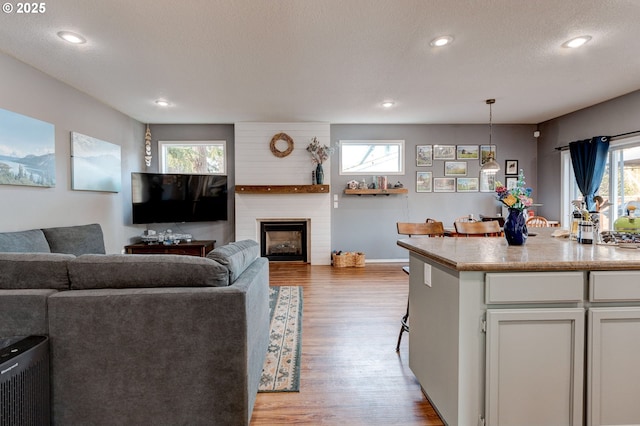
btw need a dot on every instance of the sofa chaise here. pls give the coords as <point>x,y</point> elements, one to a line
<point>139,339</point>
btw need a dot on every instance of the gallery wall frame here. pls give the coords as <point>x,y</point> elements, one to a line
<point>95,164</point>
<point>444,152</point>
<point>487,182</point>
<point>424,155</point>
<point>467,152</point>
<point>511,182</point>
<point>28,148</point>
<point>486,151</point>
<point>424,182</point>
<point>455,168</point>
<point>510,167</point>
<point>467,184</point>
<point>447,184</point>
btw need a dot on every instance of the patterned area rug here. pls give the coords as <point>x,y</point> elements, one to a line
<point>281,371</point>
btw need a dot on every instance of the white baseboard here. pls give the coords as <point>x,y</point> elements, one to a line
<point>386,260</point>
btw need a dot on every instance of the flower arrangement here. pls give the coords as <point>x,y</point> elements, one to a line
<point>518,197</point>
<point>319,153</point>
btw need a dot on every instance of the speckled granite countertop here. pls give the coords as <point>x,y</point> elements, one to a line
<point>540,253</point>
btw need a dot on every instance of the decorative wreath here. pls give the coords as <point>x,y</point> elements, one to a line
<point>281,137</point>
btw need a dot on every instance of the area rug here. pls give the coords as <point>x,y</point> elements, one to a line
<point>281,370</point>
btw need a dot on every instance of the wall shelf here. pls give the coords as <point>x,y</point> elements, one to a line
<point>282,189</point>
<point>376,191</point>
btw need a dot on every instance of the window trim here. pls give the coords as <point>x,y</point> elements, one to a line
<point>401,160</point>
<point>161,152</point>
<point>568,178</point>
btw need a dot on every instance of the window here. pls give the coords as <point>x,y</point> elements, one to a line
<point>372,157</point>
<point>620,183</point>
<point>196,157</point>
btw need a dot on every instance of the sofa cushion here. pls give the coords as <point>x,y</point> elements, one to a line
<point>77,240</point>
<point>34,270</point>
<point>92,271</point>
<point>236,256</point>
<point>32,241</point>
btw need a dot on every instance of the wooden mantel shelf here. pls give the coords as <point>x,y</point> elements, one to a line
<point>376,191</point>
<point>282,189</point>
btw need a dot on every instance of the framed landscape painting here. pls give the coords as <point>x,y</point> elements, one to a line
<point>467,152</point>
<point>423,182</point>
<point>455,168</point>
<point>27,151</point>
<point>444,184</point>
<point>467,185</point>
<point>444,152</point>
<point>95,164</point>
<point>424,155</point>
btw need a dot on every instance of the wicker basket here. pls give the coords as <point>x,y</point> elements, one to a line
<point>348,259</point>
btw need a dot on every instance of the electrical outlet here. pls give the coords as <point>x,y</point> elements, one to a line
<point>427,274</point>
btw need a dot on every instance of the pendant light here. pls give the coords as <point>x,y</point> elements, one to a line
<point>491,165</point>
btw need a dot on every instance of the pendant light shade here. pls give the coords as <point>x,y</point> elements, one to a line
<point>491,165</point>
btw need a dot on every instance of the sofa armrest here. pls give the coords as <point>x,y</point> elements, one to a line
<point>158,355</point>
<point>24,312</point>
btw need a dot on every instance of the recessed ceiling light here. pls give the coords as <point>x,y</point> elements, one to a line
<point>388,104</point>
<point>441,41</point>
<point>162,103</point>
<point>576,42</point>
<point>72,37</point>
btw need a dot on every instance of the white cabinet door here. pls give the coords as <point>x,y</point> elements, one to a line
<point>613,366</point>
<point>535,367</point>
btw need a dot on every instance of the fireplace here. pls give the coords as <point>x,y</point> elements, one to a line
<point>284,241</point>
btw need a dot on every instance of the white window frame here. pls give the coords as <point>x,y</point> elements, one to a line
<point>570,191</point>
<point>401,155</point>
<point>162,152</point>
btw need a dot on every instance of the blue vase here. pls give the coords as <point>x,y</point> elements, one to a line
<point>319,174</point>
<point>515,228</point>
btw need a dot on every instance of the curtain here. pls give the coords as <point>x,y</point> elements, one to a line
<point>589,158</point>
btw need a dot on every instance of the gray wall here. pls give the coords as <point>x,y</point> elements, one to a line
<point>221,231</point>
<point>368,223</point>
<point>27,91</point>
<point>613,117</point>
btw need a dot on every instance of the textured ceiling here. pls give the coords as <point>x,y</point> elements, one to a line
<point>225,61</point>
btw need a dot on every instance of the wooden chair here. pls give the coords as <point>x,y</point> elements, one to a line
<point>537,222</point>
<point>486,229</point>
<point>427,229</point>
<point>430,229</point>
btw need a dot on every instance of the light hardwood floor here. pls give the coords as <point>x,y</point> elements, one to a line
<point>350,371</point>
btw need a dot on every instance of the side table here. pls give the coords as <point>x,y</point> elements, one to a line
<point>194,248</point>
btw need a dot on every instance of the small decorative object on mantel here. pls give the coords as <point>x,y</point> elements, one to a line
<point>274,142</point>
<point>147,147</point>
<point>319,154</point>
<point>517,199</point>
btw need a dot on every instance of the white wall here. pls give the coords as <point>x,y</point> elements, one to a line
<point>256,165</point>
<point>27,91</point>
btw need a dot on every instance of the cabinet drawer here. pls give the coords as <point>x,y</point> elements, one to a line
<point>534,287</point>
<point>608,286</point>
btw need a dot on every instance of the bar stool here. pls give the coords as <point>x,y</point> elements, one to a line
<point>428,229</point>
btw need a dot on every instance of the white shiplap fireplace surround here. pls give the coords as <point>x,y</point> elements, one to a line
<point>256,165</point>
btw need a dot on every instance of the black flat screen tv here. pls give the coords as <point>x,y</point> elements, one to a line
<point>167,198</point>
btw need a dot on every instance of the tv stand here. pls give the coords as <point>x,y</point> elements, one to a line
<point>194,248</point>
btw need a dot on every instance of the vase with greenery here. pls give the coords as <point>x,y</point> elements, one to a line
<point>319,154</point>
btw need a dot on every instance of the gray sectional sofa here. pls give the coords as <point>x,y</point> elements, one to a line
<point>139,339</point>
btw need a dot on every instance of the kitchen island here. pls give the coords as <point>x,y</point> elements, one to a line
<point>542,334</point>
